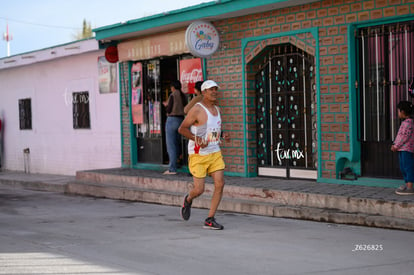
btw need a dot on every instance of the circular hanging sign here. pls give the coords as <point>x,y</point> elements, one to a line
<point>202,39</point>
<point>111,54</point>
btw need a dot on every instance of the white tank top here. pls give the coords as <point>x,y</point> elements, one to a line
<point>210,131</point>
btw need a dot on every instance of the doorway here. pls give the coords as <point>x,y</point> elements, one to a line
<point>386,68</point>
<point>286,114</point>
<point>157,76</point>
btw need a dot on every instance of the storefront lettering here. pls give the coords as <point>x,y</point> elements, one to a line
<point>288,154</point>
<point>168,44</point>
<point>192,77</point>
<point>199,45</point>
<point>104,69</point>
<point>176,46</point>
<point>144,52</point>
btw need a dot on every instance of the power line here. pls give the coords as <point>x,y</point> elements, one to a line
<point>38,24</point>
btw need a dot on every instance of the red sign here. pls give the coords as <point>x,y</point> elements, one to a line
<point>190,73</point>
<point>111,54</point>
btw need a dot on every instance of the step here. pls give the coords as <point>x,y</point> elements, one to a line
<point>239,205</point>
<point>381,207</point>
<point>326,201</point>
<point>156,183</point>
<point>41,185</point>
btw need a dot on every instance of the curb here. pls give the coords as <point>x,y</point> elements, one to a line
<point>238,199</point>
<point>34,185</point>
<point>241,206</point>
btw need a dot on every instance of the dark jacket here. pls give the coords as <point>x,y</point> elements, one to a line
<point>176,103</point>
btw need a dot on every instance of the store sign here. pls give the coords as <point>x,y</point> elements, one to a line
<point>202,39</point>
<point>137,94</point>
<point>167,44</point>
<point>190,73</point>
<point>111,54</point>
<point>107,76</point>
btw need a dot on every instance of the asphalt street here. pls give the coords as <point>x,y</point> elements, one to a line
<point>52,233</point>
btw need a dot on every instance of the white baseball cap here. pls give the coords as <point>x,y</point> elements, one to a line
<point>208,84</point>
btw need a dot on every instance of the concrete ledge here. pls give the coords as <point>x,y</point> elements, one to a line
<point>292,198</point>
<point>132,181</point>
<point>34,185</point>
<point>324,207</point>
<point>241,206</point>
<point>342,203</point>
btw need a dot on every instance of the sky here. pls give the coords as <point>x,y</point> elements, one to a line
<point>39,24</point>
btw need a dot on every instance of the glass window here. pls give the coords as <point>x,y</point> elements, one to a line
<point>151,126</point>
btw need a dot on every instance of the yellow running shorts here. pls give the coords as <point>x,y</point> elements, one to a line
<point>200,165</point>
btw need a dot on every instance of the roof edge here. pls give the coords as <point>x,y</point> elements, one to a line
<point>59,51</point>
<point>215,10</point>
<point>157,16</point>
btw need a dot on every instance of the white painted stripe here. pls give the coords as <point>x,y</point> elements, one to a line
<point>272,172</point>
<point>303,174</point>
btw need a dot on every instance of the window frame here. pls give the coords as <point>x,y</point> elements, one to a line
<point>25,114</point>
<point>81,110</point>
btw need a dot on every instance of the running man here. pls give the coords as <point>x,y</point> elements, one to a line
<point>202,126</point>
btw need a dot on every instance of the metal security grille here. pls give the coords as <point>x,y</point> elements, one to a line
<point>286,111</point>
<point>386,68</point>
<point>80,107</point>
<point>25,114</point>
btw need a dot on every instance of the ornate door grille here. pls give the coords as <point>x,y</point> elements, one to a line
<point>286,114</point>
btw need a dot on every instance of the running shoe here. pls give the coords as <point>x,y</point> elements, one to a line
<point>186,209</point>
<point>210,223</point>
<point>403,190</point>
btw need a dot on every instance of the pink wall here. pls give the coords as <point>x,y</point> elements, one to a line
<point>55,147</point>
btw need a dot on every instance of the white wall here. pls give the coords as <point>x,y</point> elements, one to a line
<point>55,147</point>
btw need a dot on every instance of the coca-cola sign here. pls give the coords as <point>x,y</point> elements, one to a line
<point>202,39</point>
<point>190,73</point>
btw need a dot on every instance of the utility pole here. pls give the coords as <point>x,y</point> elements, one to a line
<point>8,37</point>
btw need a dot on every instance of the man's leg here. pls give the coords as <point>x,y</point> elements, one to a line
<point>197,190</point>
<point>175,123</point>
<point>169,140</point>
<point>218,177</point>
<point>179,145</point>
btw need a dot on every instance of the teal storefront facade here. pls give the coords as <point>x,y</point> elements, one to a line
<point>309,88</point>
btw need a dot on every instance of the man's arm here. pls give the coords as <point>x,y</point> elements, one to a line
<point>191,104</point>
<point>188,121</point>
<point>192,118</point>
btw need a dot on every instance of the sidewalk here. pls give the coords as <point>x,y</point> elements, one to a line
<point>39,182</point>
<point>299,199</point>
